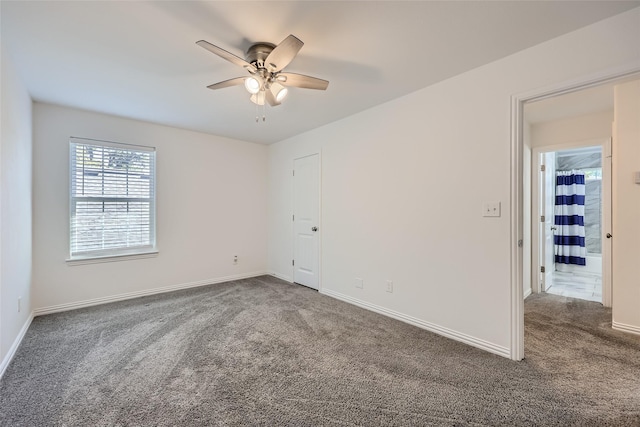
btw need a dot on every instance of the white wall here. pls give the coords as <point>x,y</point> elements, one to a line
<point>572,129</point>
<point>403,186</point>
<point>626,208</point>
<point>211,205</point>
<point>15,209</point>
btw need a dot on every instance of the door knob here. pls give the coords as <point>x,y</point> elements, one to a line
<point>314,228</point>
<point>608,235</point>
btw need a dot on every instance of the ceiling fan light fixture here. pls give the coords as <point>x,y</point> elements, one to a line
<point>252,84</point>
<point>258,98</point>
<point>278,91</point>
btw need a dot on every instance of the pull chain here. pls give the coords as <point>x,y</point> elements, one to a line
<point>264,113</point>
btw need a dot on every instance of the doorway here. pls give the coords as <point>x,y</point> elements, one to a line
<point>524,274</point>
<point>306,221</point>
<point>575,220</point>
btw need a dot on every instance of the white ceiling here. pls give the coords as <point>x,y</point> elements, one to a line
<point>140,60</point>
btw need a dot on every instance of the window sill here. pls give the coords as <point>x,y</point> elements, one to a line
<point>110,258</point>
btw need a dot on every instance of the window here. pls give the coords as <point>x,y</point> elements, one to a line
<point>592,173</point>
<point>112,199</point>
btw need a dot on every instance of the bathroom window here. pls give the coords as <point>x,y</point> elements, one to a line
<point>592,173</point>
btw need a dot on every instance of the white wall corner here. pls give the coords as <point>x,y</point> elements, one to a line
<point>16,344</point>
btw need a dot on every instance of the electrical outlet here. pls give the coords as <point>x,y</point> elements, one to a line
<point>359,283</point>
<point>235,260</point>
<point>19,304</point>
<point>389,286</point>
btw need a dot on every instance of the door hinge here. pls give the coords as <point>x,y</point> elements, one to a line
<point>541,218</point>
<point>294,172</point>
<point>293,262</point>
<point>542,269</point>
<point>293,217</point>
<point>542,168</point>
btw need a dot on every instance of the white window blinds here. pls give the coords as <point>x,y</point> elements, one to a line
<point>112,199</point>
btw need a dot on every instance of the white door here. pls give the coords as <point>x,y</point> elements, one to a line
<point>306,213</point>
<point>547,226</point>
<point>607,278</point>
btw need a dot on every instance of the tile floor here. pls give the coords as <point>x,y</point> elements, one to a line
<point>587,286</point>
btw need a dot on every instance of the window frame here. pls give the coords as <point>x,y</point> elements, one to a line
<point>121,252</point>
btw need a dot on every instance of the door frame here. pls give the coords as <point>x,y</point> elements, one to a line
<point>516,345</point>
<point>536,262</point>
<point>536,212</point>
<point>320,227</point>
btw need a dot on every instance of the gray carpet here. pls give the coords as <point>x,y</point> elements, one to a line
<point>264,352</point>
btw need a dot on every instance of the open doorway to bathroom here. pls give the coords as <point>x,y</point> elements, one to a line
<point>570,201</point>
<point>571,227</point>
<point>560,119</point>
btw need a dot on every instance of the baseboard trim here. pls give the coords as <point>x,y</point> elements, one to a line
<point>527,293</point>
<point>130,295</point>
<point>432,327</point>
<point>281,276</point>
<point>625,328</point>
<point>16,343</point>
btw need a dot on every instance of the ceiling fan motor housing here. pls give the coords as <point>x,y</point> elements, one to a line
<point>258,52</point>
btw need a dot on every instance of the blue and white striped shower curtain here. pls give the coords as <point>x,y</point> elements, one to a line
<point>569,218</point>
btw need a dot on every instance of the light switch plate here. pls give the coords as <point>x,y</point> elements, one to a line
<point>491,209</point>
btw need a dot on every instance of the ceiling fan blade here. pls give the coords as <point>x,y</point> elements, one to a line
<point>226,55</point>
<point>300,80</point>
<point>283,54</point>
<point>231,82</point>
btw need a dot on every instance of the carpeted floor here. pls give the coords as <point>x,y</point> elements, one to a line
<point>264,352</point>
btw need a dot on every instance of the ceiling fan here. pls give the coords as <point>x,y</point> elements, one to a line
<point>264,62</point>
